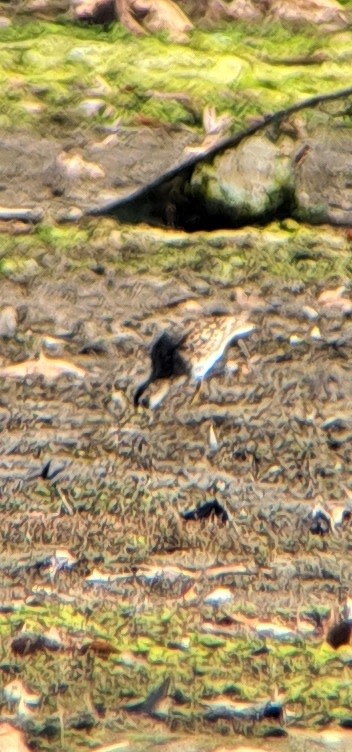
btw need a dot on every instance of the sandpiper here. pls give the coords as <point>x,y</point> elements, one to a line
<point>197,351</point>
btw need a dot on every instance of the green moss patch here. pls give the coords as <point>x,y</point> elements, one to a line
<point>58,65</point>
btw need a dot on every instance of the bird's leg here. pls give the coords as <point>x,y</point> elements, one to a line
<point>196,396</point>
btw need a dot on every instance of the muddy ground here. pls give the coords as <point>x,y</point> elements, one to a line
<point>269,436</point>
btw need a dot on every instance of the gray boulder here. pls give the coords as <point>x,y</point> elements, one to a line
<point>308,178</point>
<point>323,180</point>
<point>247,183</point>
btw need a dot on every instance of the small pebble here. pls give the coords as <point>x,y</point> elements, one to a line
<point>69,214</point>
<point>91,107</point>
<point>315,333</point>
<point>310,313</point>
<point>218,597</point>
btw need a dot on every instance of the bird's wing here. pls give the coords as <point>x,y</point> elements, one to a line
<point>210,341</point>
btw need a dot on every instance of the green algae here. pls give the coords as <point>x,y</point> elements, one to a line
<point>286,251</point>
<point>58,65</point>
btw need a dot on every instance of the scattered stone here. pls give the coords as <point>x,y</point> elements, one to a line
<point>275,631</point>
<point>53,641</point>
<point>116,240</point>
<point>335,299</point>
<point>295,340</point>
<point>213,442</point>
<point>335,423</point>
<point>321,521</point>
<point>331,297</point>
<point>310,313</point>
<point>75,167</point>
<point>8,321</point>
<point>119,400</point>
<point>91,107</point>
<point>315,333</point>
<point>16,691</point>
<point>71,214</point>
<point>340,515</point>
<point>226,708</point>
<point>219,597</point>
<point>63,559</point>
<point>53,345</point>
<point>231,367</point>
<point>249,302</point>
<point>32,107</point>
<point>101,579</point>
<point>326,12</point>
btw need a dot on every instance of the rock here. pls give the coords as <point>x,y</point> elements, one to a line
<point>323,189</point>
<point>321,522</point>
<point>310,313</point>
<point>295,339</point>
<point>8,321</point>
<point>91,107</point>
<point>327,12</point>
<point>308,176</point>
<point>116,240</point>
<point>213,441</point>
<point>96,11</point>
<point>4,22</point>
<point>16,693</point>
<point>71,214</point>
<point>153,15</point>
<point>245,183</point>
<point>75,167</point>
<point>315,333</point>
<point>32,107</point>
<point>241,10</point>
<point>164,15</point>
<point>219,597</point>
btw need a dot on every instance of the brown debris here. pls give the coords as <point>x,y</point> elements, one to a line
<point>101,648</point>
